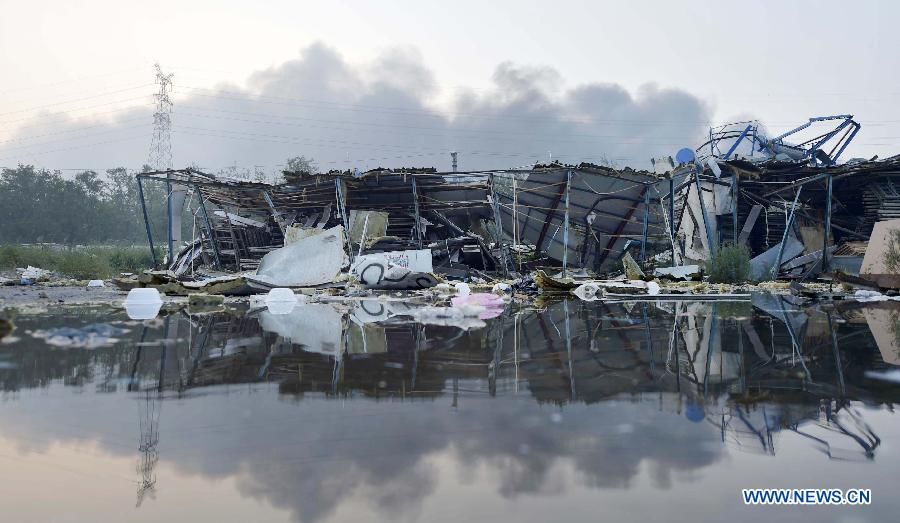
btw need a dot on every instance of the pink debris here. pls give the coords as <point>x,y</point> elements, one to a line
<point>493,304</point>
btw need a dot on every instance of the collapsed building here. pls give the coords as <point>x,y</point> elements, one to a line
<point>456,225</point>
<point>797,210</point>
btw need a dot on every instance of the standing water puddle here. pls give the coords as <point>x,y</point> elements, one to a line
<point>576,412</point>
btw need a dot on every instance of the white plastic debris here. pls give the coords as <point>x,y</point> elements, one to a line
<point>892,376</point>
<point>281,301</point>
<point>502,288</point>
<point>313,260</point>
<point>95,283</point>
<point>463,289</point>
<point>652,288</point>
<point>869,296</point>
<point>464,317</point>
<point>589,291</point>
<point>31,275</point>
<point>409,269</point>
<point>444,288</point>
<point>143,304</point>
<point>87,337</point>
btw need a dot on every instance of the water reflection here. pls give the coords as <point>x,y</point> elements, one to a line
<point>333,400</point>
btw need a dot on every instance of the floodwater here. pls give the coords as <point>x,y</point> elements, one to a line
<point>575,412</point>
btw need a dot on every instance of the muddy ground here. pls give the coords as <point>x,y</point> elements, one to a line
<point>21,295</point>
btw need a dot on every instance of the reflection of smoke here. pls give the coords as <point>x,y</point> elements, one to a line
<point>148,409</point>
<point>385,456</point>
<point>348,116</point>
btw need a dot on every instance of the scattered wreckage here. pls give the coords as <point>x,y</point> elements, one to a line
<point>799,213</point>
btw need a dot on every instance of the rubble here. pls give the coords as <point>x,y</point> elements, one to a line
<point>684,273</point>
<point>552,228</point>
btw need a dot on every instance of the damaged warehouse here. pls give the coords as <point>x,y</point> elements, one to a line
<point>456,225</point>
<point>798,212</point>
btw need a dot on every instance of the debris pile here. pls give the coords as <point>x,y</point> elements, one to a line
<point>591,230</point>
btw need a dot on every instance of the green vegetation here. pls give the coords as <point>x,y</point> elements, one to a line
<point>892,255</point>
<point>41,206</point>
<point>79,263</point>
<point>731,264</point>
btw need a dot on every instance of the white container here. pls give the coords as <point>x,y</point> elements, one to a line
<point>281,300</point>
<point>143,304</point>
<point>463,289</point>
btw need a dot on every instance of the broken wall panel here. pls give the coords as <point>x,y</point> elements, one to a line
<point>606,209</point>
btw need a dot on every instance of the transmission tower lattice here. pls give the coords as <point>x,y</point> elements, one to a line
<point>161,146</point>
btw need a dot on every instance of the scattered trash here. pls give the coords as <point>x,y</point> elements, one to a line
<point>870,296</point>
<point>31,275</point>
<point>87,337</point>
<point>462,288</point>
<point>683,272</point>
<point>502,288</point>
<point>589,291</point>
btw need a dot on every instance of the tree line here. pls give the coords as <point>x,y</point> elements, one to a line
<point>43,206</point>
<point>39,205</point>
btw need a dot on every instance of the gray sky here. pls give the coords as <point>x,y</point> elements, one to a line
<point>360,84</point>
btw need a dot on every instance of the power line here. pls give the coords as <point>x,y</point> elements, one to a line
<point>75,100</point>
<point>66,114</point>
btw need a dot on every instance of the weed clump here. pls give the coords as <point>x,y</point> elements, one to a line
<point>82,263</point>
<point>731,264</point>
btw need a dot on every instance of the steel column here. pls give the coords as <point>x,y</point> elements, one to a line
<point>827,226</point>
<point>645,226</point>
<point>169,240</point>
<point>734,207</point>
<point>209,229</point>
<point>416,209</point>
<point>709,235</point>
<point>495,208</point>
<point>140,183</point>
<point>787,228</point>
<point>565,259</point>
